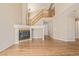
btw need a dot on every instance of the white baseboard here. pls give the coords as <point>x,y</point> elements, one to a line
<point>37,37</point>
<point>62,39</point>
<point>6,47</point>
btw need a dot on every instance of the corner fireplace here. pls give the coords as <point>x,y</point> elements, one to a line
<point>23,32</point>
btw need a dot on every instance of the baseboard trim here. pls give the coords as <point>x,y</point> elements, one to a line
<point>62,39</point>
<point>36,37</point>
<point>7,47</point>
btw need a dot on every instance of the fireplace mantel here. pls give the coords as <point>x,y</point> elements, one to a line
<point>25,27</point>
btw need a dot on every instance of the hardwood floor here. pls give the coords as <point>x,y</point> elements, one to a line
<point>37,47</point>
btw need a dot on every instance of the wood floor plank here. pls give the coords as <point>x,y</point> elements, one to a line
<point>39,47</point>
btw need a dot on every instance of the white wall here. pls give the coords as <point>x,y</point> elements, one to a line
<point>24,13</point>
<point>10,14</point>
<point>70,27</point>
<point>37,33</point>
<point>37,6</point>
<point>60,7</point>
<point>62,26</point>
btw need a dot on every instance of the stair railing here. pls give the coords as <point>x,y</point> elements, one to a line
<point>42,13</point>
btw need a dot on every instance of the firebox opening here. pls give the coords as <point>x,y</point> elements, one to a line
<point>24,34</point>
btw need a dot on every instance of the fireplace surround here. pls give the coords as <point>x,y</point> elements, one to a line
<point>18,29</point>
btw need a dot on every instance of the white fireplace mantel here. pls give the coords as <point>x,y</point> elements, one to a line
<point>25,27</point>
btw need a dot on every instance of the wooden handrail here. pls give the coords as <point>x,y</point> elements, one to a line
<point>37,19</point>
<point>37,15</point>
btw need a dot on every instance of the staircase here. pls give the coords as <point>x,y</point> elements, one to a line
<point>39,17</point>
<point>43,13</point>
